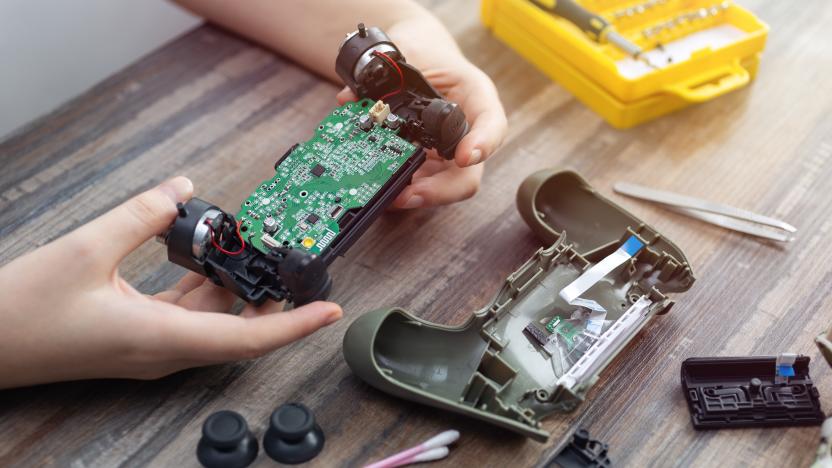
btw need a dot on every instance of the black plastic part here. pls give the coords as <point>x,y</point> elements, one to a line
<point>305,276</point>
<point>226,442</point>
<point>447,122</point>
<point>581,452</point>
<point>293,436</point>
<point>725,392</point>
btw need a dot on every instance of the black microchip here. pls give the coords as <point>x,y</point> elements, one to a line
<point>372,138</point>
<point>318,170</point>
<point>396,149</point>
<point>312,218</point>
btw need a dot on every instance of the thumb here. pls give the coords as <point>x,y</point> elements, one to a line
<point>345,95</point>
<point>208,337</point>
<point>121,230</point>
<point>274,330</point>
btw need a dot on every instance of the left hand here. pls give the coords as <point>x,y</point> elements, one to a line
<point>67,314</point>
<point>440,181</point>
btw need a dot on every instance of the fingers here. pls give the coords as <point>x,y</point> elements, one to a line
<point>267,308</point>
<point>214,337</point>
<point>113,235</point>
<point>195,292</point>
<point>188,283</point>
<point>345,95</point>
<point>474,91</point>
<point>451,185</point>
<point>483,139</point>
<point>207,297</point>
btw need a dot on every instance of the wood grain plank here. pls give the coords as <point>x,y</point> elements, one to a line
<point>218,109</point>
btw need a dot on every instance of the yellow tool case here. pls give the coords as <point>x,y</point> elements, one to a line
<point>696,49</point>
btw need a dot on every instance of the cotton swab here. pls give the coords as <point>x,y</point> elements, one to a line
<point>428,456</point>
<point>423,451</point>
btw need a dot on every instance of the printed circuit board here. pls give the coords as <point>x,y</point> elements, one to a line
<point>325,180</point>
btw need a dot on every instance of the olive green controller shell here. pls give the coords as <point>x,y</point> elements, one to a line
<point>486,368</point>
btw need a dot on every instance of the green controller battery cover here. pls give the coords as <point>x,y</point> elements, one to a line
<point>534,349</point>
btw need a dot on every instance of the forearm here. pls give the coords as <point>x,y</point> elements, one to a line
<point>309,32</point>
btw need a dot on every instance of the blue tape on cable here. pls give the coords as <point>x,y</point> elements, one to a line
<point>785,371</point>
<point>632,245</point>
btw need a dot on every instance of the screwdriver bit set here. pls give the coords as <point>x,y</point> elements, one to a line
<point>633,61</point>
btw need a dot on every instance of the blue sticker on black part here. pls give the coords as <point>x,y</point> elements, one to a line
<point>785,371</point>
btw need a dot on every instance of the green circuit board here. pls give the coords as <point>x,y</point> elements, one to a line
<point>340,168</point>
<point>566,329</point>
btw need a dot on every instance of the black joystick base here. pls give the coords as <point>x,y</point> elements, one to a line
<point>293,436</point>
<point>226,442</point>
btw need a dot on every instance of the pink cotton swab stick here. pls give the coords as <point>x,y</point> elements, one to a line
<point>410,455</point>
<point>430,455</point>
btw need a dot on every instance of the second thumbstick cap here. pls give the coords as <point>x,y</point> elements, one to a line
<point>293,436</point>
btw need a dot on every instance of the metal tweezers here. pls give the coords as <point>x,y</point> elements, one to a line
<point>725,216</point>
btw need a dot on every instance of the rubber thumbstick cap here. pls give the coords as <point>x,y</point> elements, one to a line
<point>226,441</point>
<point>293,436</point>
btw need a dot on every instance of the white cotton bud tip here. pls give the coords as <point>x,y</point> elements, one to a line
<point>431,455</point>
<point>445,438</point>
<point>826,429</point>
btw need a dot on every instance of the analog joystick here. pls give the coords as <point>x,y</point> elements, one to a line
<point>226,441</point>
<point>293,436</point>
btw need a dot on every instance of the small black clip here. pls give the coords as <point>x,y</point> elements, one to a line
<point>581,452</point>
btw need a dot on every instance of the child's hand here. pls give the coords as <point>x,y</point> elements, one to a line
<point>67,314</point>
<point>438,181</point>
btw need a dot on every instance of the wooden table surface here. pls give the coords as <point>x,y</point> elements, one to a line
<point>219,110</point>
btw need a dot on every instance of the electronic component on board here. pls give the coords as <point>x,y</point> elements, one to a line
<point>318,170</point>
<point>270,226</point>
